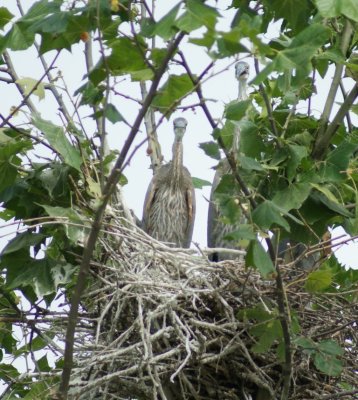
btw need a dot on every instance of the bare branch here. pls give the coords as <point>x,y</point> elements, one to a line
<point>321,143</point>
<point>91,242</point>
<point>267,102</point>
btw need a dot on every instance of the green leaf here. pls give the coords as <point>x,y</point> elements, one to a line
<point>112,114</point>
<point>333,8</point>
<point>296,16</point>
<point>307,344</point>
<point>258,258</point>
<point>5,16</point>
<point>18,38</point>
<point>251,143</point>
<point>55,23</point>
<point>174,90</point>
<point>229,44</point>
<point>75,227</point>
<point>249,163</point>
<point>8,373</point>
<point>197,14</point>
<point>328,8</point>
<point>299,53</point>
<point>43,275</point>
<point>38,343</point>
<point>328,364</point>
<point>28,85</point>
<point>268,214</point>
<point>329,200</point>
<point>236,110</point>
<point>128,57</point>
<point>267,334</point>
<point>165,27</point>
<point>23,241</point>
<point>211,149</point>
<point>43,364</point>
<point>245,232</point>
<point>58,140</point>
<point>295,155</point>
<point>330,347</point>
<point>41,9</point>
<point>226,133</point>
<point>200,183</point>
<point>317,281</point>
<point>8,174</point>
<point>292,197</point>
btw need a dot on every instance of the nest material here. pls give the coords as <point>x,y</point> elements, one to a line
<point>168,324</point>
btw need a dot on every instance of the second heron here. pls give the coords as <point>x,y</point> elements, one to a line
<point>169,206</point>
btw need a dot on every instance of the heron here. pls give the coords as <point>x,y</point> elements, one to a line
<point>169,205</point>
<point>217,229</point>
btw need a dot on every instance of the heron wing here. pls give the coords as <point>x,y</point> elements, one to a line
<point>191,207</point>
<point>213,212</point>
<point>149,197</point>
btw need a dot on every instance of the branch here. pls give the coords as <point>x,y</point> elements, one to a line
<point>11,71</point>
<point>154,149</point>
<point>50,78</point>
<point>345,40</point>
<point>323,141</point>
<point>267,102</point>
<point>26,98</point>
<point>92,239</point>
<point>348,117</point>
<point>281,298</point>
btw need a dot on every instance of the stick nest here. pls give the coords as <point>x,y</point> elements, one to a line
<point>164,323</point>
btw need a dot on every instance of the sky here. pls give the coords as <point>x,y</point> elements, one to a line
<point>220,88</point>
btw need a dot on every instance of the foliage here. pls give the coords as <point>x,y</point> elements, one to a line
<point>297,166</point>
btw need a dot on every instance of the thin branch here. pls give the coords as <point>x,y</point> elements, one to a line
<point>96,226</point>
<point>50,78</point>
<point>267,102</point>
<point>28,135</point>
<point>154,148</point>
<point>323,141</point>
<point>348,117</point>
<point>281,298</point>
<point>345,40</point>
<point>11,71</point>
<point>26,98</point>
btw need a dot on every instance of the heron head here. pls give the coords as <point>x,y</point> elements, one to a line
<point>242,70</point>
<point>179,127</point>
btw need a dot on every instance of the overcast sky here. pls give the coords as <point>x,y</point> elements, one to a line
<point>219,90</point>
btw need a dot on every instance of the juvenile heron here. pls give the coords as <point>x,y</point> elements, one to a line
<point>169,205</point>
<point>217,229</point>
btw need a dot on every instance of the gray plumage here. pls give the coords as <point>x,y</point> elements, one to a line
<point>217,229</point>
<point>289,251</point>
<point>169,206</point>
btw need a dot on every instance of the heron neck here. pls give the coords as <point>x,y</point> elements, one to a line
<point>242,90</point>
<point>177,163</point>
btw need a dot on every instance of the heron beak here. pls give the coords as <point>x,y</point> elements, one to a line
<point>179,133</point>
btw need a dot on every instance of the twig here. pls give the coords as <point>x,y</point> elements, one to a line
<point>26,97</point>
<point>321,143</point>
<point>91,242</point>
<point>267,102</point>
<point>348,117</point>
<point>11,71</point>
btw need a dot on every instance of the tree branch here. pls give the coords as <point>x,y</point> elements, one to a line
<point>26,98</point>
<point>92,239</point>
<point>267,102</point>
<point>345,40</point>
<point>323,141</point>
<point>280,292</point>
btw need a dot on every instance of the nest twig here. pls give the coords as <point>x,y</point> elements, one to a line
<point>168,324</point>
